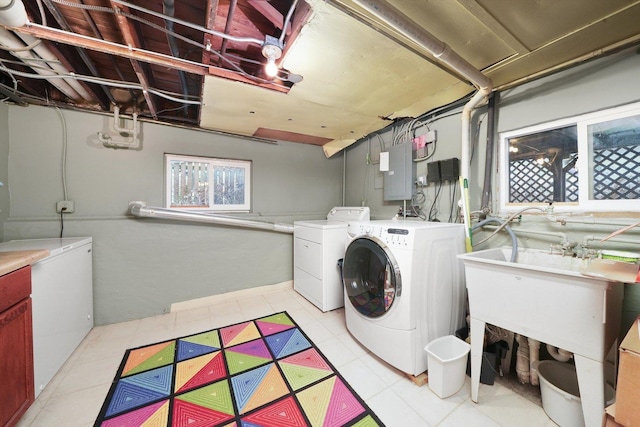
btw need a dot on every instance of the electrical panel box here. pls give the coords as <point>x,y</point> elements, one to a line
<point>400,178</point>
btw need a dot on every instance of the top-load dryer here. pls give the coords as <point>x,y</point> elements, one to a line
<point>404,287</point>
<point>318,245</point>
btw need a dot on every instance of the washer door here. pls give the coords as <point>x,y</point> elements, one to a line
<point>371,276</point>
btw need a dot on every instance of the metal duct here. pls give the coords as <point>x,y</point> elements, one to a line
<point>139,209</point>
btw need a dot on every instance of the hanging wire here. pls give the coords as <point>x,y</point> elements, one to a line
<point>102,81</point>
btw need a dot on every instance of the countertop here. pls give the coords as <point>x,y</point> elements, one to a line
<point>10,261</point>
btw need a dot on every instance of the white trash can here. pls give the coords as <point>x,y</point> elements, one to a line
<point>447,364</point>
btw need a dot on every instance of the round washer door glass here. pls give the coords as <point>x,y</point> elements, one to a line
<point>371,276</point>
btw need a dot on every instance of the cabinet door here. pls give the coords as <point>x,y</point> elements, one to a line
<point>16,363</point>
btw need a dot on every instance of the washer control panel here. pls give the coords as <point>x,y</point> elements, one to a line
<point>392,235</point>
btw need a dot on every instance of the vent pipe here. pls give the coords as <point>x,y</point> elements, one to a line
<point>139,209</point>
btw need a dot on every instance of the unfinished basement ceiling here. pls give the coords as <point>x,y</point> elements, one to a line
<point>343,73</point>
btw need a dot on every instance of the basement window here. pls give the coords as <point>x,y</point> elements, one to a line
<point>589,162</point>
<point>207,183</point>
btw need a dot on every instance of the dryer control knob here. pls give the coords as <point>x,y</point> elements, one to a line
<point>368,229</point>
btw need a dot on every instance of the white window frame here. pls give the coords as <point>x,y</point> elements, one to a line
<point>212,162</point>
<point>584,158</point>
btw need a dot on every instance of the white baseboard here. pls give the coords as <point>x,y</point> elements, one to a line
<point>215,299</point>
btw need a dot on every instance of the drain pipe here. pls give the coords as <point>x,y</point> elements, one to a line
<point>443,52</point>
<point>488,162</point>
<point>140,209</point>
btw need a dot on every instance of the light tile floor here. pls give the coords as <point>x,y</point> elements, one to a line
<point>75,395</point>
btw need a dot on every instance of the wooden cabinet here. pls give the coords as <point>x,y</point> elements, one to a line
<point>16,346</point>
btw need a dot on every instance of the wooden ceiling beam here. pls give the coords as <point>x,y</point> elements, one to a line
<point>269,12</point>
<point>62,22</point>
<point>131,39</point>
<point>112,48</point>
<point>210,22</point>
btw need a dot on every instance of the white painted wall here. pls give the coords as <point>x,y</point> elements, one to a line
<point>142,266</point>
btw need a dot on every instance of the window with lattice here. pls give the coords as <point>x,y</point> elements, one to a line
<point>207,183</point>
<point>591,161</point>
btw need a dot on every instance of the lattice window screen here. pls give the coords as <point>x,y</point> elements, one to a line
<point>571,186</point>
<point>529,182</point>
<point>616,173</point>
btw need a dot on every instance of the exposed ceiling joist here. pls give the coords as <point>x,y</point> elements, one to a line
<point>131,38</point>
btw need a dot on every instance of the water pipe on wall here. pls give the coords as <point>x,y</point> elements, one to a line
<point>129,135</point>
<point>140,209</point>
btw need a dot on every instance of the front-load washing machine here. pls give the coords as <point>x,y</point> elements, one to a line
<point>403,287</point>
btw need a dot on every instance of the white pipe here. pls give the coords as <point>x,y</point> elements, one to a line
<point>522,359</point>
<point>12,13</point>
<point>139,209</point>
<point>558,234</point>
<point>443,52</point>
<point>9,40</point>
<point>131,141</point>
<point>116,123</point>
<point>465,157</point>
<point>53,62</point>
<point>591,237</point>
<point>534,358</point>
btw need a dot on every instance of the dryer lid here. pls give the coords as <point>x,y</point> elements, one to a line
<point>349,213</point>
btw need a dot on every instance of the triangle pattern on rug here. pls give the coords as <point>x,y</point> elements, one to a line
<point>187,414</point>
<point>330,402</point>
<point>209,338</point>
<point>216,396</point>
<point>284,413</point>
<point>237,334</point>
<point>240,362</point>
<point>158,380</point>
<point>155,415</point>
<point>187,350</point>
<point>275,323</point>
<point>198,371</point>
<point>257,386</point>
<point>288,342</point>
<point>149,357</point>
<point>128,396</point>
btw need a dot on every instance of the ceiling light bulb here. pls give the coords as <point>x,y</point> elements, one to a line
<point>271,69</point>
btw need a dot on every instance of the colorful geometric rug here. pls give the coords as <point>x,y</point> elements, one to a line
<point>261,373</point>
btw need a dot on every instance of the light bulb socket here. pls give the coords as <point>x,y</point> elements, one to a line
<point>272,48</point>
<point>12,13</point>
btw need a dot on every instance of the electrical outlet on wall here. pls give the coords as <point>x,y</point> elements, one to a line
<point>65,206</point>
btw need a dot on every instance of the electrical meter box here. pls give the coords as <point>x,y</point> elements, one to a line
<point>399,179</point>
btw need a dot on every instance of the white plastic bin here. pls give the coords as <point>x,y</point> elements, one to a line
<point>560,393</point>
<point>447,364</point>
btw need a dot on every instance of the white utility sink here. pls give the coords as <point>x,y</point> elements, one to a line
<point>543,296</point>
